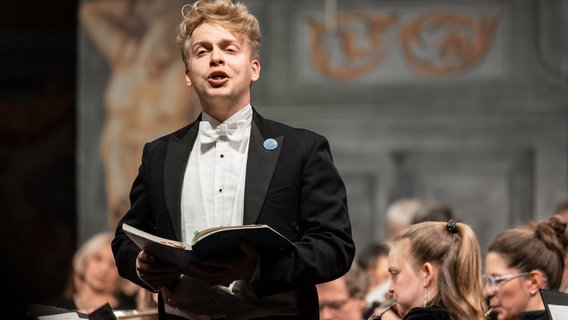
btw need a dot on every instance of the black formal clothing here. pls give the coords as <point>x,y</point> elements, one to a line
<point>296,189</point>
<point>428,313</point>
<point>534,315</point>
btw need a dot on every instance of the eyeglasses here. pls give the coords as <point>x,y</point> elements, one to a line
<point>496,281</point>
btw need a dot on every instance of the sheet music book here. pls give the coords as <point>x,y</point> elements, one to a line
<point>104,312</point>
<point>216,242</point>
<point>48,312</point>
<point>555,303</point>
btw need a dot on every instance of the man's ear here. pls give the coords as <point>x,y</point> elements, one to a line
<point>187,79</point>
<point>255,66</point>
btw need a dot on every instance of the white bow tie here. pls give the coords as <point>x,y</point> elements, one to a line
<point>234,132</point>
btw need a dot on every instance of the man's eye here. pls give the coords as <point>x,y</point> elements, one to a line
<point>333,304</point>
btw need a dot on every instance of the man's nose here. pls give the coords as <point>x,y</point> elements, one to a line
<point>216,57</point>
<point>326,313</point>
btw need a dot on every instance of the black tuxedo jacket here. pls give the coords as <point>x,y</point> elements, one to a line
<point>296,189</point>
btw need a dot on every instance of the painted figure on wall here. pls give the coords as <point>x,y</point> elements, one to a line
<point>144,96</point>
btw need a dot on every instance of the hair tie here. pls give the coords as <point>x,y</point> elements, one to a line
<point>451,226</point>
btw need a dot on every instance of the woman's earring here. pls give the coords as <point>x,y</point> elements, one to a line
<point>426,298</point>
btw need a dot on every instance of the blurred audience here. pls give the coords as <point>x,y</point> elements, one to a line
<point>435,211</point>
<point>435,270</point>
<point>344,297</point>
<point>400,214</point>
<point>95,280</point>
<point>561,211</point>
<point>519,262</point>
<point>373,258</point>
<point>407,211</point>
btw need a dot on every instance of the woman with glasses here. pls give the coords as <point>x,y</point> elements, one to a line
<point>435,270</point>
<point>519,262</point>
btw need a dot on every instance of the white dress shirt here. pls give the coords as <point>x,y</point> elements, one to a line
<point>214,180</point>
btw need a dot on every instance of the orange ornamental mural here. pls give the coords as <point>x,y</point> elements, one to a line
<point>456,42</point>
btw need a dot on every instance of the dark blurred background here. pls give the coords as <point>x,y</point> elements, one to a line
<point>37,148</point>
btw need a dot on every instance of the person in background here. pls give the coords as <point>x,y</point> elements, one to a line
<point>435,211</point>
<point>344,297</point>
<point>435,270</point>
<point>561,211</point>
<point>373,259</point>
<point>232,167</point>
<point>400,214</point>
<point>519,262</point>
<point>94,280</point>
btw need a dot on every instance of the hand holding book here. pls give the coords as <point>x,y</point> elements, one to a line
<point>217,242</point>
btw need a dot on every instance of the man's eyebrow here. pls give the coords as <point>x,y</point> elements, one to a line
<point>199,43</point>
<point>223,42</point>
<point>226,42</point>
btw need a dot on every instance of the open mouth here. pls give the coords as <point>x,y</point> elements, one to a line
<point>218,78</point>
<point>218,75</point>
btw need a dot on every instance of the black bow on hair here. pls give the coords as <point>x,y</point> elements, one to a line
<point>452,226</point>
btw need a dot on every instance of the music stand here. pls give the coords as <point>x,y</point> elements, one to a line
<point>555,303</point>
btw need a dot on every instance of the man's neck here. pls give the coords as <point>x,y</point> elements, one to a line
<point>222,113</point>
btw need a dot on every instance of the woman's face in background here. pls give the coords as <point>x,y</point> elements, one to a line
<point>407,285</point>
<point>511,295</point>
<point>101,273</point>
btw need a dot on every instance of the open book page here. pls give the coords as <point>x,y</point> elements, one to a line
<point>558,312</point>
<point>203,233</point>
<point>166,250</point>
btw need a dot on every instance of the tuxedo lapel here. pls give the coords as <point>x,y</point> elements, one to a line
<point>260,168</point>
<point>177,156</point>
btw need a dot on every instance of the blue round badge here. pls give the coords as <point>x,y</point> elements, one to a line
<point>270,144</point>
